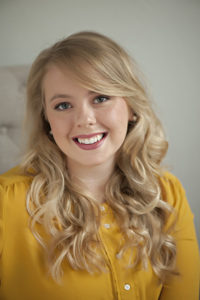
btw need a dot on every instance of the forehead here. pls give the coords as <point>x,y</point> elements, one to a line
<point>55,74</point>
<point>80,73</point>
<point>60,76</point>
<point>60,81</point>
<point>70,75</point>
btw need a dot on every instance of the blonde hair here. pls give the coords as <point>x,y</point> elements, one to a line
<point>69,215</point>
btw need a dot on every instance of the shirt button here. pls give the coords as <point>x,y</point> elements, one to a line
<point>102,208</point>
<point>127,287</point>
<point>118,256</point>
<point>107,226</point>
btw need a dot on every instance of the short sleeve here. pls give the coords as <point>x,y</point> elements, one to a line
<point>186,285</point>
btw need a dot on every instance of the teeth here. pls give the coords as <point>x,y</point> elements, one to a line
<point>92,140</point>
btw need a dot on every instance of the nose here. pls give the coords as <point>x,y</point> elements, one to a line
<point>86,116</point>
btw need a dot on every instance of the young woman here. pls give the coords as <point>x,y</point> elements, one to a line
<point>90,213</point>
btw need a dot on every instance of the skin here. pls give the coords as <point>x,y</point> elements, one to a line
<point>73,111</point>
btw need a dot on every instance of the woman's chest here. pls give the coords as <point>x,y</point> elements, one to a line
<point>24,271</point>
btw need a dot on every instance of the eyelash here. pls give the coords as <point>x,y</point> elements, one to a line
<point>102,97</point>
<point>63,103</point>
<point>105,98</point>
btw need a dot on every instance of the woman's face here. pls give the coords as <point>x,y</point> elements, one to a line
<point>88,127</point>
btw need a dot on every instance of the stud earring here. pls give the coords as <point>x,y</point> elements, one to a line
<point>132,122</point>
<point>135,118</point>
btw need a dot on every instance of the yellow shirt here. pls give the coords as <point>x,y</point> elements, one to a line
<point>22,264</point>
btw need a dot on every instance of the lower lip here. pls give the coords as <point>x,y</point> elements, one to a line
<point>91,146</point>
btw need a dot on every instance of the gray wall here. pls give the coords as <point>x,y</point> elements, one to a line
<point>163,36</point>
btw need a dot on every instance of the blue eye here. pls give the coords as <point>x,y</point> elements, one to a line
<point>63,106</point>
<point>101,99</point>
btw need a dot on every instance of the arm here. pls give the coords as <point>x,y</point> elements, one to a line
<point>186,285</point>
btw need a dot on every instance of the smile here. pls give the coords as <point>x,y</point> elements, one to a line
<point>90,142</point>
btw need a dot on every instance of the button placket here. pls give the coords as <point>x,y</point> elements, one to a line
<point>125,287</point>
<point>105,234</point>
<point>105,219</point>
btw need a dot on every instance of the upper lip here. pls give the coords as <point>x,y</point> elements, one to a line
<point>87,136</point>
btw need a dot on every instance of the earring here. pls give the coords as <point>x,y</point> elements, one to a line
<point>135,118</point>
<point>50,132</point>
<point>132,122</point>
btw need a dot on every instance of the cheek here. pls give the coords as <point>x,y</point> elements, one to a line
<point>58,125</point>
<point>55,126</point>
<point>119,117</point>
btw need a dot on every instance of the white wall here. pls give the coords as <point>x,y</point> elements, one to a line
<point>162,35</point>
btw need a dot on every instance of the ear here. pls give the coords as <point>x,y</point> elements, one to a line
<point>130,112</point>
<point>133,117</point>
<point>130,115</point>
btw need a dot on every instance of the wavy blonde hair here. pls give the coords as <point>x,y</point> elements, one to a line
<point>69,215</point>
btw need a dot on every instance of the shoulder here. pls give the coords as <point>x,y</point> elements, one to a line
<point>14,184</point>
<point>14,176</point>
<point>173,193</point>
<point>170,185</point>
<point>13,190</point>
<point>167,179</point>
<point>172,189</point>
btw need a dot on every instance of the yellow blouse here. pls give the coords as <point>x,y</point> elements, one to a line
<point>22,265</point>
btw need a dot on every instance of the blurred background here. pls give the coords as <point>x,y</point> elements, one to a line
<point>163,37</point>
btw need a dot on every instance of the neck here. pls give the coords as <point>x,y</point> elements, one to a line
<point>91,178</point>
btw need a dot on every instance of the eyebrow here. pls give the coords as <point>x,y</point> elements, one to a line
<point>60,96</point>
<point>65,96</point>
